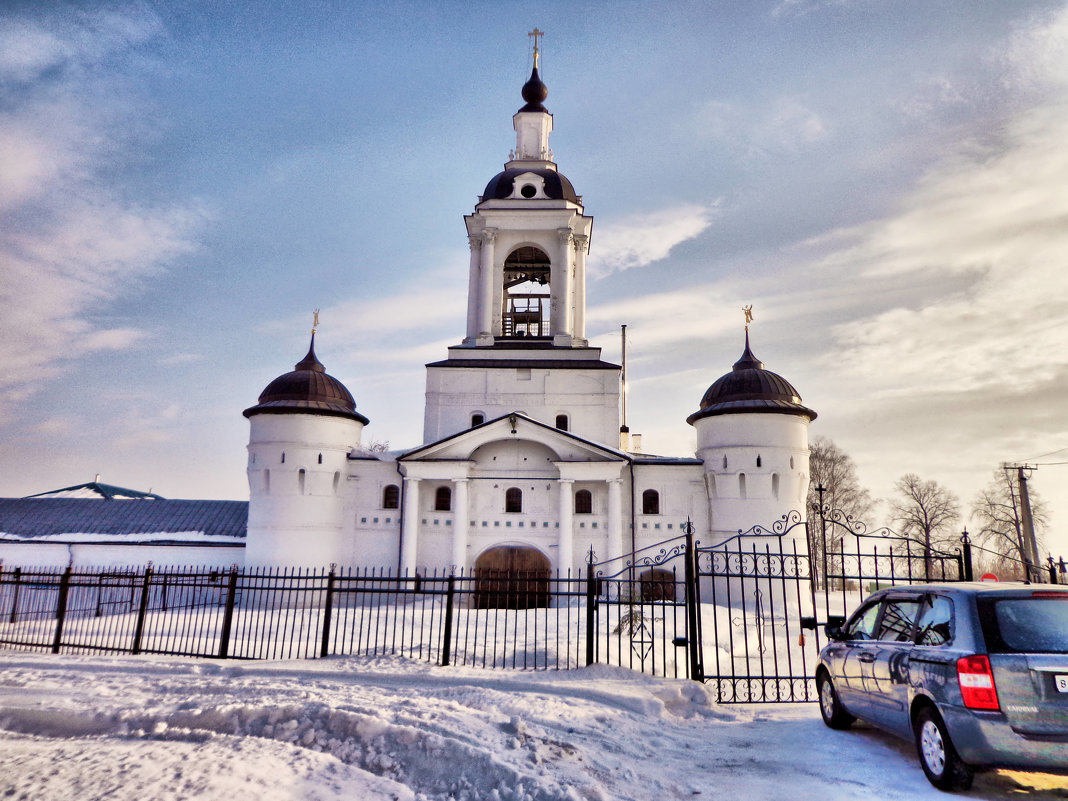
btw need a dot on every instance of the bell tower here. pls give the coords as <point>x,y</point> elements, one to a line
<point>525,347</point>
<point>529,240</point>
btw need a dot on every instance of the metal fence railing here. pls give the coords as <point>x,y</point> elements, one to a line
<point>513,621</point>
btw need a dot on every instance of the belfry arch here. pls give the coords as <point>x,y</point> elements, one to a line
<point>525,303</point>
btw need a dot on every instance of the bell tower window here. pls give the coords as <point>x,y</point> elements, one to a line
<point>525,307</point>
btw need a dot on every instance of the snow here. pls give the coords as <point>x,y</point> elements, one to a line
<point>135,728</point>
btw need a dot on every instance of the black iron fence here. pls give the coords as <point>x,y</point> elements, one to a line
<point>743,614</point>
<point>501,621</point>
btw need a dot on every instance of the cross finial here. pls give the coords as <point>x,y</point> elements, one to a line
<point>315,320</point>
<point>536,33</point>
<point>748,315</point>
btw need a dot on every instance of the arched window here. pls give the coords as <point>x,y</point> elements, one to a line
<point>583,502</point>
<point>337,480</point>
<point>650,502</point>
<point>267,482</point>
<point>741,487</point>
<point>443,499</point>
<point>477,419</point>
<point>759,461</point>
<point>561,422</point>
<point>791,462</point>
<point>320,458</point>
<point>300,480</point>
<point>775,484</point>
<point>283,457</point>
<point>724,461</point>
<point>391,497</point>
<point>513,500</point>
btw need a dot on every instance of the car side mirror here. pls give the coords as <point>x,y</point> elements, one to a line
<point>833,629</point>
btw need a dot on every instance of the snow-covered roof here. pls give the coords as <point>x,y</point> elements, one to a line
<point>95,490</point>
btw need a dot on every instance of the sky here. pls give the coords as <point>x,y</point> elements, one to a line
<point>182,183</point>
<point>387,729</point>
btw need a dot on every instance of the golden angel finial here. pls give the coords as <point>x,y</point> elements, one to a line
<point>748,315</point>
<point>315,320</point>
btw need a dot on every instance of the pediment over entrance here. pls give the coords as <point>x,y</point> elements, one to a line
<point>512,437</point>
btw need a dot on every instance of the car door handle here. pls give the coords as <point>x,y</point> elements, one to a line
<point>866,658</point>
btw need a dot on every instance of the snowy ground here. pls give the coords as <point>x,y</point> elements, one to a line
<point>147,729</point>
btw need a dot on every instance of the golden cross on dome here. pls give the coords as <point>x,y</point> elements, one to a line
<point>536,33</point>
<point>315,320</point>
<point>748,315</point>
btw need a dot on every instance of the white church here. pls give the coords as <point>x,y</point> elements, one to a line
<point>524,462</point>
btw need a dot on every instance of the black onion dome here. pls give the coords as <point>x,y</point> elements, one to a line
<point>535,92</point>
<point>748,389</point>
<point>308,389</point>
<point>557,186</point>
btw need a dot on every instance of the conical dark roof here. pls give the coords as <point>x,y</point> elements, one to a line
<point>748,389</point>
<point>308,389</point>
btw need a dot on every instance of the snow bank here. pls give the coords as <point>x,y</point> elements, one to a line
<point>132,728</point>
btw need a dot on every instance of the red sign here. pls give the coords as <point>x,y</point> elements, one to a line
<point>989,577</point>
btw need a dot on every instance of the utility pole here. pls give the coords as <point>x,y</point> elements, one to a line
<point>1023,473</point>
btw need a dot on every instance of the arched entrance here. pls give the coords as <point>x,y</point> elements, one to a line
<point>658,585</point>
<point>512,577</point>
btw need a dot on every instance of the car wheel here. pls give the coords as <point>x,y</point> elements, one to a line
<point>834,714</point>
<point>940,761</point>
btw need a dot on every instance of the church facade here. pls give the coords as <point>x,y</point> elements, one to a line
<point>524,463</point>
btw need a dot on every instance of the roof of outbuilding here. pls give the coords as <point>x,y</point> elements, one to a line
<point>748,389</point>
<point>97,490</point>
<point>41,517</point>
<point>307,389</point>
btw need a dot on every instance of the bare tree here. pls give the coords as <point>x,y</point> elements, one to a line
<point>926,511</point>
<point>998,521</point>
<point>832,470</point>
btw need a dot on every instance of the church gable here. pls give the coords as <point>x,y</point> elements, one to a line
<point>490,439</point>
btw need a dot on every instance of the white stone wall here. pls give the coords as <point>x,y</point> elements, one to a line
<point>741,492</point>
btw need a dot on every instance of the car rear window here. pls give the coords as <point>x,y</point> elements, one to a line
<point>1026,625</point>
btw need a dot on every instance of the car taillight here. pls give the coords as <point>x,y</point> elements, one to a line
<point>977,682</point>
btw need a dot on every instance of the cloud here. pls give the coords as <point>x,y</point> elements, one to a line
<point>642,239</point>
<point>797,8</point>
<point>986,233</point>
<point>71,242</point>
<point>779,126</point>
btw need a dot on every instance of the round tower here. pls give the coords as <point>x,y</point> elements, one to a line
<point>752,435</point>
<point>301,433</point>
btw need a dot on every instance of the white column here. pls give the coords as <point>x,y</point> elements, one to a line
<point>582,244</point>
<point>410,542</point>
<point>566,543</point>
<point>560,289</point>
<point>473,288</point>
<point>485,304</point>
<point>615,518</point>
<point>460,515</point>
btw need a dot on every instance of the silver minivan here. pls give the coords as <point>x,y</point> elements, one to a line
<point>975,673</point>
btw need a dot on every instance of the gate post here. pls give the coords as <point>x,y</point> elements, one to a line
<point>966,556</point>
<point>228,615</point>
<point>142,609</point>
<point>591,612</point>
<point>61,608</point>
<point>15,595</point>
<point>328,610</point>
<point>450,598</point>
<point>692,623</point>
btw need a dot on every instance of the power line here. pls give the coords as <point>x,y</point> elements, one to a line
<point>1043,455</point>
